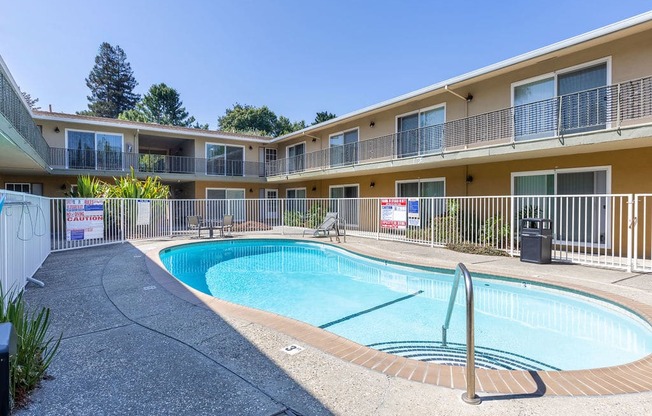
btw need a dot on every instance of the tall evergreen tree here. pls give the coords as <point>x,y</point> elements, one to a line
<point>30,101</point>
<point>322,116</point>
<point>112,83</point>
<point>161,104</point>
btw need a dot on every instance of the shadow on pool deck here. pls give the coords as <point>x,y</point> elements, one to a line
<point>130,347</point>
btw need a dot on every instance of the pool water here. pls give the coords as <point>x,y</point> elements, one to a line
<point>401,309</point>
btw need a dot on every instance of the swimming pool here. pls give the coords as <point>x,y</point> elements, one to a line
<point>400,309</point>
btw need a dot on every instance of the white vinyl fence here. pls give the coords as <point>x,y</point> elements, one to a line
<point>606,230</point>
<point>24,237</point>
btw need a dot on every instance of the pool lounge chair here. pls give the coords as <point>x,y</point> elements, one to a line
<point>331,223</point>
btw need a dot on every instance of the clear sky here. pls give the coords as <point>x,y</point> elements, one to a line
<point>297,57</point>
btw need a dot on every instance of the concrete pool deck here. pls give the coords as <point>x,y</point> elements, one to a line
<point>136,343</point>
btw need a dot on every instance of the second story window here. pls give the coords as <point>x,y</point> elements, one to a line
<point>296,157</point>
<point>420,132</point>
<point>344,148</point>
<point>224,160</point>
<point>94,150</point>
<point>579,93</point>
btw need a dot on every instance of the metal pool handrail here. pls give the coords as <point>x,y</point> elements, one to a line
<point>469,397</point>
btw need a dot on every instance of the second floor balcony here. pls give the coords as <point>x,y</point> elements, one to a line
<point>581,112</point>
<point>116,161</point>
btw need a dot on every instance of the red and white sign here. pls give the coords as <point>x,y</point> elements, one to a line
<point>84,219</point>
<point>393,213</point>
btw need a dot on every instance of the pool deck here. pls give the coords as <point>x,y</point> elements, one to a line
<point>136,341</point>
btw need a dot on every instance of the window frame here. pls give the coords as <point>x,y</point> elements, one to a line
<point>555,77</point>
<point>206,144</point>
<point>418,113</point>
<point>22,184</point>
<point>95,133</point>
<point>287,157</point>
<point>418,182</point>
<point>330,147</point>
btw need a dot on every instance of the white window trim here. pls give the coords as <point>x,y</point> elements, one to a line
<point>287,149</point>
<point>224,158</point>
<point>341,133</point>
<point>418,181</point>
<point>554,75</point>
<point>304,189</point>
<point>244,191</point>
<point>95,133</point>
<point>419,111</point>
<point>606,168</point>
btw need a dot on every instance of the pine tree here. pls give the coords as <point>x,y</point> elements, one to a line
<point>161,104</point>
<point>31,102</point>
<point>112,83</point>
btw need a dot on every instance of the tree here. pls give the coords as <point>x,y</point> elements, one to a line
<point>112,83</point>
<point>161,104</point>
<point>256,120</point>
<point>323,116</point>
<point>31,102</point>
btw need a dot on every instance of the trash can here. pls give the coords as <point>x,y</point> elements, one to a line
<point>536,240</point>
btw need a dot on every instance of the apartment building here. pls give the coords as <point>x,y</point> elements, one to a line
<point>571,118</point>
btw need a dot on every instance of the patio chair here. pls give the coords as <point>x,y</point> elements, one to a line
<point>330,223</point>
<point>195,222</point>
<point>227,224</point>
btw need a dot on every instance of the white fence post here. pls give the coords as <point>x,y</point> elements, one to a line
<point>631,222</point>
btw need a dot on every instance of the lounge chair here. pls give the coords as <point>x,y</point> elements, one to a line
<point>331,223</point>
<point>195,222</point>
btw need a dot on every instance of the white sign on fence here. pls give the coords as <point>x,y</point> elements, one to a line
<point>142,217</point>
<point>84,219</point>
<point>414,218</point>
<point>393,213</point>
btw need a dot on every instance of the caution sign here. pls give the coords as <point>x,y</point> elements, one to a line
<point>84,219</point>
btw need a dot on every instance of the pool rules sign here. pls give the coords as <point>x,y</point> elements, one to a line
<point>393,213</point>
<point>84,219</point>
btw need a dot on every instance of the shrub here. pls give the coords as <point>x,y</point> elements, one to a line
<point>34,351</point>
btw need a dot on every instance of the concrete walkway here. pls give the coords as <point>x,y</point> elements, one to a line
<point>131,347</point>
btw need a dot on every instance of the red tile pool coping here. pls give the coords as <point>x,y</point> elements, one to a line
<point>633,377</point>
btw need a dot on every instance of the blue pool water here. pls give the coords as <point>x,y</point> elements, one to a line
<point>401,309</point>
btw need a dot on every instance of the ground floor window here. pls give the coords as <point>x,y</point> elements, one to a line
<point>345,202</point>
<point>225,201</point>
<point>18,187</point>
<point>296,199</point>
<point>577,217</point>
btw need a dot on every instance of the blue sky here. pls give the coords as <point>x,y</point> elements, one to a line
<point>296,57</point>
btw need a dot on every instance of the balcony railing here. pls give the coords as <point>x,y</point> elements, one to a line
<point>14,110</point>
<point>583,111</point>
<point>61,158</point>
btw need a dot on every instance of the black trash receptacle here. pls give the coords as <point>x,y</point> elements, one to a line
<point>536,240</point>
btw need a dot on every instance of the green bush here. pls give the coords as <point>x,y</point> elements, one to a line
<point>293,219</point>
<point>35,350</point>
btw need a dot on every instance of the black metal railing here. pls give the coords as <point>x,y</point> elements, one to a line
<point>15,111</point>
<point>583,111</point>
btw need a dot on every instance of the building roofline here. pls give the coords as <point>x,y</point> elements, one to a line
<point>146,127</point>
<point>575,40</point>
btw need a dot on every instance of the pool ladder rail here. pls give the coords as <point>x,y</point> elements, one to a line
<point>469,396</point>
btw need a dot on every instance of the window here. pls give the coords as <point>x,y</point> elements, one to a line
<point>296,157</point>
<point>424,188</point>
<point>421,132</point>
<point>224,160</point>
<point>582,100</point>
<point>346,202</point>
<point>94,150</point>
<point>269,158</point>
<point>576,218</point>
<point>18,187</point>
<point>296,193</point>
<point>225,201</point>
<point>343,148</point>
